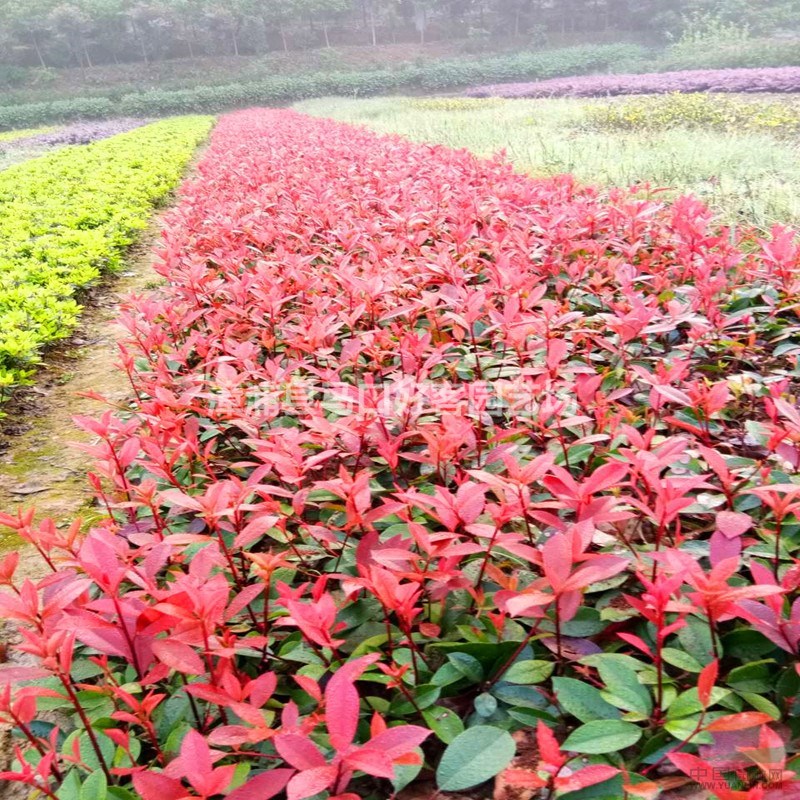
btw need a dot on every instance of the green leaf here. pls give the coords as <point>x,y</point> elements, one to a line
<point>516,695</point>
<point>424,696</point>
<point>761,703</point>
<point>583,701</point>
<point>446,724</point>
<point>404,774</point>
<point>695,639</point>
<point>446,675</point>
<point>788,684</point>
<point>83,669</point>
<point>757,676</point>
<point>745,644</point>
<point>586,622</point>
<point>530,716</point>
<point>95,787</point>
<point>70,788</point>
<point>473,757</point>
<point>467,665</point>
<point>528,672</point>
<point>681,660</point>
<point>491,655</point>
<point>688,702</point>
<point>685,727</point>
<point>118,793</point>
<point>87,751</point>
<point>485,704</point>
<point>623,689</point>
<point>603,736</point>
<point>611,789</point>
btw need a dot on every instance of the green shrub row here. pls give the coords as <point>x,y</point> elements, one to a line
<point>750,53</point>
<point>288,88</point>
<point>64,219</point>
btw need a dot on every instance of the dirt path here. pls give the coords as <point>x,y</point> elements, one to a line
<point>39,465</point>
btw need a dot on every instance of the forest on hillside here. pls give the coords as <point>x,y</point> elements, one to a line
<point>83,33</point>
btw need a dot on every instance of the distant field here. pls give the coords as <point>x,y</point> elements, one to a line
<point>752,175</point>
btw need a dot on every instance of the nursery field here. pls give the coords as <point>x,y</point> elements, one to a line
<point>741,155</point>
<point>436,481</point>
<point>66,217</point>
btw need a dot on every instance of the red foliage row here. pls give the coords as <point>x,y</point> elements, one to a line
<point>409,427</point>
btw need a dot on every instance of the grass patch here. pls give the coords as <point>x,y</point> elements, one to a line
<point>10,136</point>
<point>744,175</point>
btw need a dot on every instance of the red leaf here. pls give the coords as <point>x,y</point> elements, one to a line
<point>674,395</point>
<point>178,656</point>
<point>588,776</point>
<point>299,751</point>
<point>196,754</point>
<point>733,523</point>
<point>740,721</point>
<point>342,701</point>
<point>549,748</point>
<point>371,761</point>
<point>523,779</point>
<point>263,786</point>
<point>395,742</point>
<point>637,642</point>
<point>310,782</point>
<point>155,786</point>
<point>706,681</point>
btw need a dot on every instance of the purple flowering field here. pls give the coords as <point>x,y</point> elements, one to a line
<point>768,79</point>
<point>75,133</point>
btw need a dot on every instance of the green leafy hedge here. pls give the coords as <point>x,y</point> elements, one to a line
<point>288,88</point>
<point>65,218</point>
<point>750,53</point>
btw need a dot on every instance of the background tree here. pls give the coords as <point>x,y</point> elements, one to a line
<point>27,24</point>
<point>84,32</point>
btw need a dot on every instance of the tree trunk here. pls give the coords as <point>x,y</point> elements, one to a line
<point>76,54</point>
<point>86,53</point>
<point>142,44</point>
<point>372,27</point>
<point>38,50</point>
<point>283,39</point>
<point>327,39</point>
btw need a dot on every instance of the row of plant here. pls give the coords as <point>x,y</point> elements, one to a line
<point>696,110</point>
<point>75,133</point>
<point>66,217</point>
<point>422,454</point>
<point>723,51</point>
<point>774,80</point>
<point>199,97</point>
<point>287,88</point>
